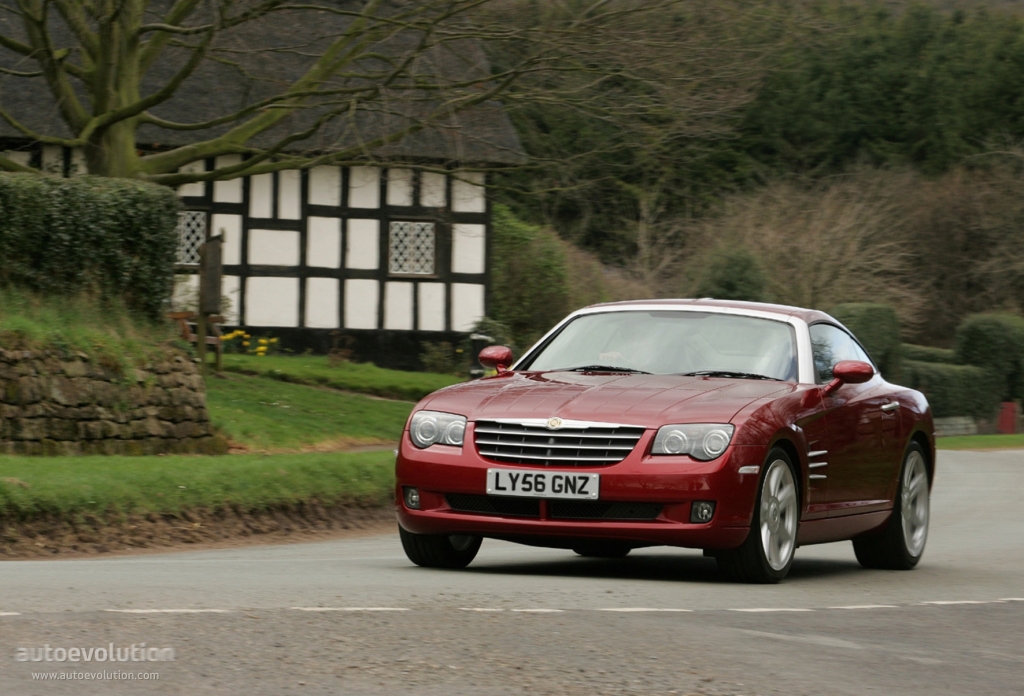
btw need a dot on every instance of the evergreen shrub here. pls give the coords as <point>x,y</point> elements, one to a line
<point>112,237</point>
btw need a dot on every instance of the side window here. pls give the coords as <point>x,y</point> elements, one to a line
<point>831,345</point>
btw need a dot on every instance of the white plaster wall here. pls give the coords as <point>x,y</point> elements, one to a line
<point>361,298</point>
<point>433,190</point>
<point>323,246</point>
<point>272,302</point>
<point>185,295</point>
<point>325,186</point>
<point>228,191</point>
<point>322,303</point>
<point>467,306</point>
<point>431,307</point>
<point>362,244</point>
<point>398,305</point>
<point>22,158</point>
<point>468,251</point>
<point>364,187</point>
<point>231,227</point>
<point>274,247</point>
<point>230,290</point>
<point>261,191</point>
<point>289,194</point>
<point>468,193</point>
<point>78,166</point>
<point>399,187</point>
<point>194,189</point>
<point>53,160</point>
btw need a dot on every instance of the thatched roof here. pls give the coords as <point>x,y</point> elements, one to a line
<point>260,59</point>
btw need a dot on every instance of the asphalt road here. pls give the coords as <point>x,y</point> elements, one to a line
<point>354,616</point>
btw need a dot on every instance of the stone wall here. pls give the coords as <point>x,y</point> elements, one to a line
<point>54,403</point>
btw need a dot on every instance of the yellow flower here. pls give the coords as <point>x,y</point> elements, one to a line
<point>246,335</point>
<point>273,340</point>
<point>262,341</point>
<point>225,338</point>
<point>245,343</point>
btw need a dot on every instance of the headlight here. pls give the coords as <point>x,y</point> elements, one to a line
<point>433,427</point>
<point>703,441</point>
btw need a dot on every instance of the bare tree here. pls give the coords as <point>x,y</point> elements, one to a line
<point>282,83</point>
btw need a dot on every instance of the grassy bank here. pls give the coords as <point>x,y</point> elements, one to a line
<point>72,487</point>
<point>358,377</point>
<point>266,414</point>
<point>980,442</point>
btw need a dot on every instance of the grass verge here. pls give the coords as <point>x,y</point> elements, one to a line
<point>980,442</point>
<point>271,415</point>
<point>77,487</point>
<point>358,377</point>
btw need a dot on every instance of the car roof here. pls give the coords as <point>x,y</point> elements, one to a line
<point>808,315</point>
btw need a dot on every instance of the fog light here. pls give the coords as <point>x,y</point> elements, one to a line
<point>412,499</point>
<point>700,512</point>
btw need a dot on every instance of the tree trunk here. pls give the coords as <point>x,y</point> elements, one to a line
<point>113,152</point>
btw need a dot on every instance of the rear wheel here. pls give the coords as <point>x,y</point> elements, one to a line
<point>901,544</point>
<point>602,549</point>
<point>767,553</point>
<point>440,550</point>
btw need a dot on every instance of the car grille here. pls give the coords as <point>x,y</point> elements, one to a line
<point>492,505</point>
<point>602,510</point>
<point>526,443</point>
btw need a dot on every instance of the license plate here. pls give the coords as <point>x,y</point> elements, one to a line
<point>543,484</point>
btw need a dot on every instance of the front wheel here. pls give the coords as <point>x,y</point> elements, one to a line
<point>901,544</point>
<point>451,551</point>
<point>767,553</point>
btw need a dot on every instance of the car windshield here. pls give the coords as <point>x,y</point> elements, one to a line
<point>672,342</point>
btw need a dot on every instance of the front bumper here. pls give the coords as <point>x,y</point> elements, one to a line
<point>672,482</point>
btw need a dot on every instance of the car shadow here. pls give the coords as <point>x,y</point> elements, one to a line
<point>667,567</point>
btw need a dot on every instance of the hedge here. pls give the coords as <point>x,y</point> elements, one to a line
<point>909,351</point>
<point>878,329</point>
<point>994,342</point>
<point>955,390</point>
<point>114,237</point>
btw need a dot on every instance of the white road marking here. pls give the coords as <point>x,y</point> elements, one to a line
<point>808,638</point>
<point>1012,599</point>
<point>539,611</point>
<point>349,609</point>
<point>868,606</point>
<point>769,609</point>
<point>480,609</point>
<point>642,609</point>
<point>9,613</point>
<point>169,611</point>
<point>963,601</point>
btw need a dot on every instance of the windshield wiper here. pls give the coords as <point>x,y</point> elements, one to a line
<point>604,368</point>
<point>729,373</point>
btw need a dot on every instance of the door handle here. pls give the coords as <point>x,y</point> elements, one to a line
<point>891,406</point>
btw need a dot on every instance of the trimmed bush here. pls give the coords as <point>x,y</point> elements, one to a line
<point>878,329</point>
<point>114,237</point>
<point>994,342</point>
<point>733,274</point>
<point>928,354</point>
<point>529,279</point>
<point>955,390</point>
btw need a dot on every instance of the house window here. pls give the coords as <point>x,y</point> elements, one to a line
<point>191,235</point>
<point>411,248</point>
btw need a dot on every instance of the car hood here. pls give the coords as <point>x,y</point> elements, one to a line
<point>646,400</point>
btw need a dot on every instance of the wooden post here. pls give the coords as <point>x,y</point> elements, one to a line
<point>210,270</point>
<point>201,320</point>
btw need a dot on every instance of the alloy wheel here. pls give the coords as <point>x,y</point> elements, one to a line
<point>778,514</point>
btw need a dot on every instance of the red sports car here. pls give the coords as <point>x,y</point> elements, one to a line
<point>739,428</point>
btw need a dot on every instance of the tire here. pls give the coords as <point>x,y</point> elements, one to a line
<point>767,554</point>
<point>900,545</point>
<point>602,549</point>
<point>440,550</point>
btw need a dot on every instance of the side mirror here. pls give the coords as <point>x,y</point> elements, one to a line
<point>849,372</point>
<point>496,357</point>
